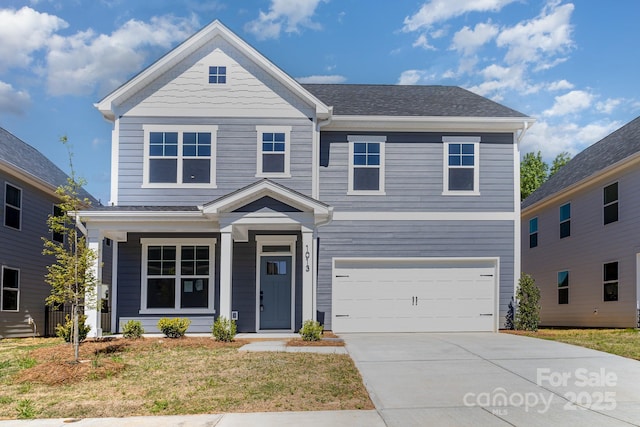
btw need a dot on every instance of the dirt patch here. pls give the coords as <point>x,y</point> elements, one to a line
<point>299,342</point>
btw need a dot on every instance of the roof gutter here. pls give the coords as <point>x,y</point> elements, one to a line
<point>525,128</point>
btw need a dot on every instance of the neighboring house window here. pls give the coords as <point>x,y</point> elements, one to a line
<point>10,289</point>
<point>563,287</point>
<point>610,280</point>
<point>180,156</point>
<point>611,203</point>
<point>177,275</point>
<point>217,75</point>
<point>366,164</point>
<point>12,206</point>
<point>533,232</point>
<point>56,236</point>
<point>274,148</point>
<point>461,170</point>
<point>565,220</point>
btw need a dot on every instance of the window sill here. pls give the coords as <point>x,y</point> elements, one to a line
<point>460,193</point>
<point>169,185</point>
<point>365,193</point>
<point>273,175</point>
<point>177,311</point>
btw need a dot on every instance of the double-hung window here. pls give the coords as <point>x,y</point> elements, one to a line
<point>274,148</point>
<point>610,281</point>
<point>461,165</point>
<point>12,206</point>
<point>533,232</point>
<point>10,289</point>
<point>177,275</point>
<point>180,156</point>
<point>366,164</point>
<point>610,201</point>
<point>563,287</point>
<point>565,220</point>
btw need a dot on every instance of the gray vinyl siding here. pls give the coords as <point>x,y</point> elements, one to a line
<point>414,170</point>
<point>236,151</point>
<point>584,253</point>
<point>22,250</point>
<point>416,239</point>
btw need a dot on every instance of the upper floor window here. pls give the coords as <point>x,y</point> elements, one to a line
<point>366,164</point>
<point>563,287</point>
<point>461,171</point>
<point>565,220</point>
<point>274,148</point>
<point>180,155</point>
<point>610,203</point>
<point>178,275</point>
<point>12,206</point>
<point>56,236</point>
<point>10,289</point>
<point>533,232</point>
<point>610,281</point>
<point>217,75</point>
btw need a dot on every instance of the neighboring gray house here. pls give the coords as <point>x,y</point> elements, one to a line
<point>28,181</point>
<point>237,191</point>
<point>581,236</point>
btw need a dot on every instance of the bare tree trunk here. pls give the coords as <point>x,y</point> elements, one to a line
<point>76,333</point>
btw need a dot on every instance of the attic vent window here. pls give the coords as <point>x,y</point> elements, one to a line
<point>217,75</point>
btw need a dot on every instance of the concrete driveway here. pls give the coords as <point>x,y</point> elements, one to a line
<point>488,379</point>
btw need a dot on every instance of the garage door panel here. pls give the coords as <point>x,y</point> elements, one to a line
<point>384,296</point>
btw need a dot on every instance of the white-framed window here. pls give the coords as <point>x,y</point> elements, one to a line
<point>12,206</point>
<point>610,281</point>
<point>533,232</point>
<point>180,156</point>
<point>461,165</point>
<point>366,164</point>
<point>610,203</point>
<point>563,287</point>
<point>217,75</point>
<point>10,289</point>
<point>274,151</point>
<point>177,275</point>
<point>565,220</point>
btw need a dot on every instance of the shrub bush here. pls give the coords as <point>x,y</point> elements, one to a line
<point>65,331</point>
<point>311,330</point>
<point>174,327</point>
<point>527,310</point>
<point>224,329</point>
<point>509,318</point>
<point>132,329</point>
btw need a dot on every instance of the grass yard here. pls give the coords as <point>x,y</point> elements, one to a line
<point>623,342</point>
<point>167,377</point>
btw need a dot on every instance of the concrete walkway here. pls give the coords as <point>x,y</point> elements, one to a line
<point>277,345</point>
<point>488,379</point>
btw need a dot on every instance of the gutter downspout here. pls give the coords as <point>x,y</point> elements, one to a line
<point>525,128</point>
<point>315,191</point>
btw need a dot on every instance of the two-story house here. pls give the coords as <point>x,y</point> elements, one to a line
<point>581,233</point>
<point>28,182</point>
<point>237,191</point>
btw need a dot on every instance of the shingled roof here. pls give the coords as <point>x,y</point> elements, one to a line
<point>400,100</point>
<point>32,163</point>
<point>608,151</point>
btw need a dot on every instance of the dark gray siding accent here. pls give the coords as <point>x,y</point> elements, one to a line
<point>243,294</point>
<point>267,202</point>
<point>130,274</point>
<point>416,239</point>
<point>236,149</point>
<point>22,250</point>
<point>414,174</point>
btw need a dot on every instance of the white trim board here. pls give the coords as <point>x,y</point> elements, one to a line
<point>425,216</point>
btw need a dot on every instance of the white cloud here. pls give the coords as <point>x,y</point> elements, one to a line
<point>284,15</point>
<point>13,101</point>
<point>560,85</point>
<point>422,42</point>
<point>539,40</point>
<point>498,78</point>
<point>412,77</point>
<point>468,41</point>
<point>23,32</point>
<point>327,79</point>
<point>609,105</point>
<point>572,102</point>
<point>79,63</point>
<point>435,11</point>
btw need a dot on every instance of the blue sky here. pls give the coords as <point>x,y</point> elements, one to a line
<point>571,65</point>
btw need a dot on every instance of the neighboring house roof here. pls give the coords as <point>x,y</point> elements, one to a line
<point>399,100</point>
<point>609,151</point>
<point>21,158</point>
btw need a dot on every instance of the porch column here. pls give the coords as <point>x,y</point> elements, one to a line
<point>226,266</point>
<point>93,307</point>
<point>308,269</point>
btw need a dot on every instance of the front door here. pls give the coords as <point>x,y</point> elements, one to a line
<point>275,292</point>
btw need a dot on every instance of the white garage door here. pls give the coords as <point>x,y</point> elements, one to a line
<point>414,295</point>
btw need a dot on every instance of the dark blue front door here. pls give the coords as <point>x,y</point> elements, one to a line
<point>275,292</point>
